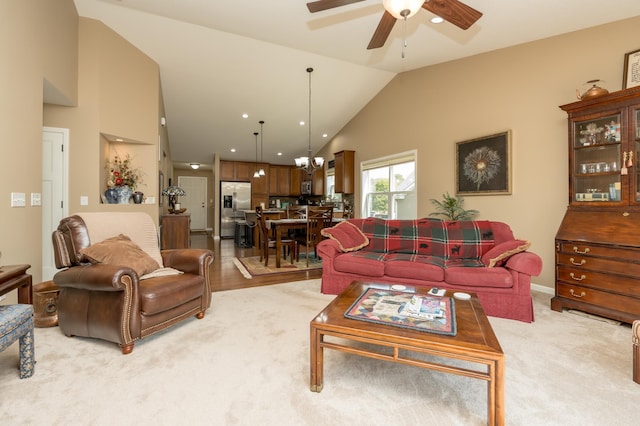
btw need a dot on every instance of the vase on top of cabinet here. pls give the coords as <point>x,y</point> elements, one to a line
<point>598,242</point>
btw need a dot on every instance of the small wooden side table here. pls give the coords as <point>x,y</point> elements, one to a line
<point>175,231</point>
<point>15,276</point>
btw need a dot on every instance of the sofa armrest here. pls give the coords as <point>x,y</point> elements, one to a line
<point>192,261</point>
<point>525,262</point>
<point>95,277</point>
<point>328,249</point>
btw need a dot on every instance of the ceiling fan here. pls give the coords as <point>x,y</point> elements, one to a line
<point>454,11</point>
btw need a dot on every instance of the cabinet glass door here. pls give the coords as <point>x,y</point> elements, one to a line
<point>597,160</point>
<point>636,152</point>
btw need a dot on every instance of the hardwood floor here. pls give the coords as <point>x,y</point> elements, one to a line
<point>225,275</point>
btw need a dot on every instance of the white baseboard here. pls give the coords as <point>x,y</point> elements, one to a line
<point>543,288</point>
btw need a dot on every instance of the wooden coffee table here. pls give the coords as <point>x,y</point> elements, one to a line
<point>475,343</point>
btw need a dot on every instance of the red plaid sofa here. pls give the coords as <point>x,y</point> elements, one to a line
<point>482,257</point>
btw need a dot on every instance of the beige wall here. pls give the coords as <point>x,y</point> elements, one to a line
<point>38,43</point>
<point>517,89</point>
<point>119,95</point>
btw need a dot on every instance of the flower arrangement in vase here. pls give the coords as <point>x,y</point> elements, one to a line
<point>122,179</point>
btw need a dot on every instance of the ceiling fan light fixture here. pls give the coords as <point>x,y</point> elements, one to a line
<point>399,8</point>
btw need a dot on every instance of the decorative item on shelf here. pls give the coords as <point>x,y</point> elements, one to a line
<point>173,192</point>
<point>592,89</point>
<point>309,163</point>
<point>138,197</point>
<point>122,179</point>
<point>124,194</point>
<point>112,195</point>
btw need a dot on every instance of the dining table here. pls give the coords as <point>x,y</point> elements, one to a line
<point>278,226</point>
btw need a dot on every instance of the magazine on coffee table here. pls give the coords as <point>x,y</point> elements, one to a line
<point>390,307</point>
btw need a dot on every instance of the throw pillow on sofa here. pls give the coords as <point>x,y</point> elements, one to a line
<point>121,251</point>
<point>348,236</point>
<point>499,254</point>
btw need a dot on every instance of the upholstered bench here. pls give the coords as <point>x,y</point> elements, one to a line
<point>635,337</point>
<point>16,323</point>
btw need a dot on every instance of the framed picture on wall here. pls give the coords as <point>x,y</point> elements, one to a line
<point>631,76</point>
<point>483,165</point>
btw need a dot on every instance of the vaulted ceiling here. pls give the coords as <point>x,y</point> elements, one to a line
<point>221,59</point>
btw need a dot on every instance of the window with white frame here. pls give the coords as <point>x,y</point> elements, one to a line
<point>389,187</point>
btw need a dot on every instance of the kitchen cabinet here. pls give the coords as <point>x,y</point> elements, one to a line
<point>344,172</point>
<point>598,242</point>
<point>317,179</point>
<point>280,181</point>
<point>236,171</point>
<point>297,176</point>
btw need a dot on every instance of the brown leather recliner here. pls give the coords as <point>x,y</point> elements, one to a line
<point>111,302</point>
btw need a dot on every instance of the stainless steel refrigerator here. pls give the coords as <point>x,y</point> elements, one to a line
<point>234,198</point>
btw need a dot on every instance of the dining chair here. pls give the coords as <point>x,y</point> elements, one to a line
<point>317,219</point>
<point>268,242</point>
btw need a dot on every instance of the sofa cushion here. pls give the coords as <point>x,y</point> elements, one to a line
<point>348,236</point>
<point>465,276</point>
<point>163,293</point>
<point>120,250</point>
<point>360,263</point>
<point>401,265</point>
<point>498,255</point>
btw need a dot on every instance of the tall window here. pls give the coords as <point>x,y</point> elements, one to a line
<point>389,187</point>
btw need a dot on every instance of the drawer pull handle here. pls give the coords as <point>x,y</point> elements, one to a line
<point>586,250</point>
<point>582,277</point>
<point>582,293</point>
<point>582,262</point>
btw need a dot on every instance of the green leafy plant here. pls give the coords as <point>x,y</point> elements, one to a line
<point>451,208</point>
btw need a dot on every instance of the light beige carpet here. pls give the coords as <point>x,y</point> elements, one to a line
<point>247,363</point>
<point>252,266</point>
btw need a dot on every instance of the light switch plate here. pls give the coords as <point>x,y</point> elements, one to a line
<point>18,199</point>
<point>36,199</point>
<point>84,200</point>
<point>150,200</point>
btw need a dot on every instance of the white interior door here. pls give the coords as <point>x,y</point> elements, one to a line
<point>55,144</point>
<point>195,200</point>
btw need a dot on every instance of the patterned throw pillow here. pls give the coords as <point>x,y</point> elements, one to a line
<point>499,255</point>
<point>121,251</point>
<point>347,235</point>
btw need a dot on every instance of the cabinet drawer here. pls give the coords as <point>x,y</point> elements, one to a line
<point>618,284</point>
<point>586,249</point>
<point>580,262</point>
<point>620,303</point>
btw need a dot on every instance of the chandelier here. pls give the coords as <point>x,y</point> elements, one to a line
<point>309,163</point>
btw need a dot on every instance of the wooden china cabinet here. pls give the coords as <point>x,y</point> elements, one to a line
<point>598,242</point>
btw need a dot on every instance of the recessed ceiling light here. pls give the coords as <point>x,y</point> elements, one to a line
<point>324,135</point>
<point>279,153</point>
<point>233,150</point>
<point>302,123</point>
<point>245,115</point>
<point>437,20</point>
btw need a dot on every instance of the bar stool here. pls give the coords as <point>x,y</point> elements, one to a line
<point>16,323</point>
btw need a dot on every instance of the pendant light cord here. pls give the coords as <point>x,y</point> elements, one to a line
<point>310,70</point>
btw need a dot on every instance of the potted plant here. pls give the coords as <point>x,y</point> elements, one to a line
<point>451,208</point>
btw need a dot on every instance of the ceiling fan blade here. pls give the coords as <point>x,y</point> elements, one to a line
<point>317,6</point>
<point>382,32</point>
<point>459,14</point>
